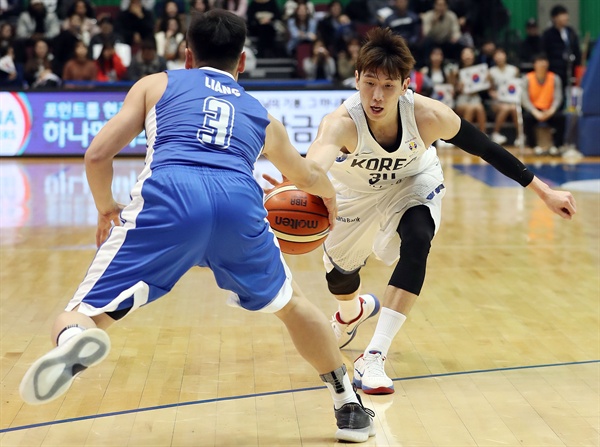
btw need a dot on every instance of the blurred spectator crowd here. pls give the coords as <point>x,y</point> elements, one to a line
<point>54,43</point>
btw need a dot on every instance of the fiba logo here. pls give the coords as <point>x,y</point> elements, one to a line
<point>15,123</point>
<point>412,145</point>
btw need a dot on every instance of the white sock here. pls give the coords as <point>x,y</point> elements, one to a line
<point>388,325</point>
<point>69,332</point>
<point>339,385</point>
<point>349,309</point>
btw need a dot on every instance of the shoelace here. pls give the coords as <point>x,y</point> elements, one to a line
<point>374,364</point>
<point>367,410</point>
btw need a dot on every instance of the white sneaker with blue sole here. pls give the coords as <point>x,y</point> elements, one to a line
<point>370,376</point>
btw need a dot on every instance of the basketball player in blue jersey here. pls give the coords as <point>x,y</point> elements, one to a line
<point>378,149</point>
<point>196,203</point>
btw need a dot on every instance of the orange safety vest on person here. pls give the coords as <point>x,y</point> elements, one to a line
<point>541,95</point>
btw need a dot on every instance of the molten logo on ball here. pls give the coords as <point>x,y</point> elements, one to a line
<point>299,220</point>
<point>296,223</point>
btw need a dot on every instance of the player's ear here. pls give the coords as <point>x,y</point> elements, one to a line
<point>405,85</point>
<point>189,59</point>
<point>242,62</point>
<point>356,78</point>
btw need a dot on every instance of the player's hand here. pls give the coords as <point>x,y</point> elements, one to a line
<point>106,221</point>
<point>273,182</point>
<point>561,202</point>
<point>331,205</point>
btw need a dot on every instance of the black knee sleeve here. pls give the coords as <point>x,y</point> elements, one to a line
<point>416,231</point>
<point>342,283</point>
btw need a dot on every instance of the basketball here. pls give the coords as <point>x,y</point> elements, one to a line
<point>299,220</point>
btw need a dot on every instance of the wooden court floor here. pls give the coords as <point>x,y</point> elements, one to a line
<point>501,349</point>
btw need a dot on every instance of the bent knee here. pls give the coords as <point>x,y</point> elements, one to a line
<point>342,283</point>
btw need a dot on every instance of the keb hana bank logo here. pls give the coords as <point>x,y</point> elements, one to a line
<point>15,123</point>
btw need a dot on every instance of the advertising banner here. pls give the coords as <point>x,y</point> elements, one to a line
<point>63,123</point>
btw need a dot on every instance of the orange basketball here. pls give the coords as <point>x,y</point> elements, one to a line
<point>299,220</point>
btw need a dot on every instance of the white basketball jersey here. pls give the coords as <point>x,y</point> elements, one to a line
<point>370,168</point>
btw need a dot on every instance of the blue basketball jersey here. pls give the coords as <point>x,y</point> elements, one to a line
<point>196,203</point>
<point>215,124</point>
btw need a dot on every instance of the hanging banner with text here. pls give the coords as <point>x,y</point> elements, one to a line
<point>63,123</point>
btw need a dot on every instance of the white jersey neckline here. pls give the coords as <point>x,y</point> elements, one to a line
<point>217,71</point>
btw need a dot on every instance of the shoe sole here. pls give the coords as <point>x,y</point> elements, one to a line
<point>76,355</point>
<point>355,434</point>
<point>373,391</point>
<point>353,333</point>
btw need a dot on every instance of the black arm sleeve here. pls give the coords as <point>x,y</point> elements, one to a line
<point>475,142</point>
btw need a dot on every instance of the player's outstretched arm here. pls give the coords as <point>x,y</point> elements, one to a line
<point>449,127</point>
<point>475,142</point>
<point>325,148</point>
<point>336,132</point>
<point>305,174</point>
<point>560,202</point>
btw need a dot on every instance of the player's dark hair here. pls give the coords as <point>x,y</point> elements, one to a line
<point>540,57</point>
<point>387,52</point>
<point>217,39</point>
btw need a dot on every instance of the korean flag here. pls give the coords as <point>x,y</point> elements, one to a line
<point>509,90</point>
<point>444,93</point>
<point>474,78</point>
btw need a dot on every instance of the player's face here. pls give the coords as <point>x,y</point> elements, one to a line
<point>379,94</point>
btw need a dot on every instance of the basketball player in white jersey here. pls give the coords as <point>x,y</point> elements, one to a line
<point>195,203</point>
<point>378,148</point>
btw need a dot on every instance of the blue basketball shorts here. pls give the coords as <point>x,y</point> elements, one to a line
<point>181,217</point>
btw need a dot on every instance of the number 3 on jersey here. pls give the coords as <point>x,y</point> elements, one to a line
<point>218,122</point>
